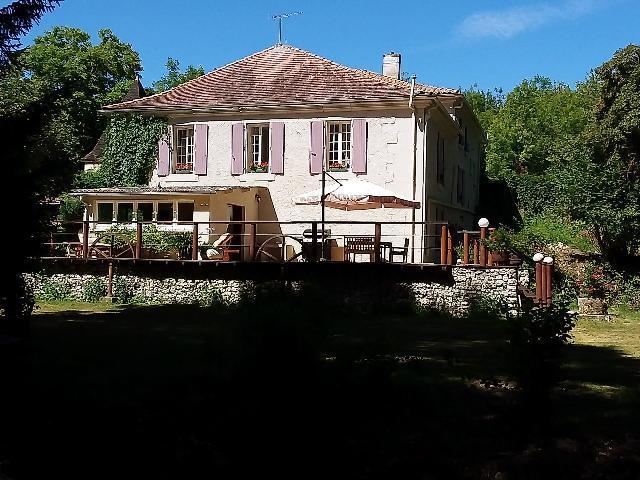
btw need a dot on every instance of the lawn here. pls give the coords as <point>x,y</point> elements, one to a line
<point>277,386</point>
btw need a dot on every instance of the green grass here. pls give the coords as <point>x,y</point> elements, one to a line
<point>285,386</point>
<point>622,332</point>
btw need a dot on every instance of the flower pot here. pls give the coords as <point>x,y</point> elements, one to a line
<point>500,257</point>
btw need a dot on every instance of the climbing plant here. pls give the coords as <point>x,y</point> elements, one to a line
<point>131,150</point>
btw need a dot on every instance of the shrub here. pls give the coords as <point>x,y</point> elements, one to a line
<point>94,289</point>
<point>55,291</point>
<point>153,239</point>
<point>122,292</point>
<point>25,299</point>
<point>71,208</point>
<point>90,179</point>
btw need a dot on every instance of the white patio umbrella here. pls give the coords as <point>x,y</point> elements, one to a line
<point>356,195</point>
<point>352,195</point>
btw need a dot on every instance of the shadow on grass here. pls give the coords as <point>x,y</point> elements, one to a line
<point>295,386</point>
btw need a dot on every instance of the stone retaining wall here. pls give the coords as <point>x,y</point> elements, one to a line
<point>466,286</point>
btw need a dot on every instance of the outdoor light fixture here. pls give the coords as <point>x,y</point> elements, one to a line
<point>547,260</point>
<point>258,198</point>
<point>538,257</point>
<point>483,223</point>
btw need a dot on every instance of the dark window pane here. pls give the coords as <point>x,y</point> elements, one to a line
<point>145,212</point>
<point>125,212</point>
<point>105,212</point>
<point>185,212</point>
<point>165,212</point>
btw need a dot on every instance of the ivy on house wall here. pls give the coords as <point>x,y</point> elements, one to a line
<point>131,150</point>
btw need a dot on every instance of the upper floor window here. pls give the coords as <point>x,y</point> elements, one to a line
<point>440,159</point>
<point>339,146</point>
<point>184,150</point>
<point>257,148</point>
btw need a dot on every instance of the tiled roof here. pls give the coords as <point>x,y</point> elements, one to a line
<point>281,75</point>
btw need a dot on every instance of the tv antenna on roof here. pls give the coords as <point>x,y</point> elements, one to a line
<point>279,17</point>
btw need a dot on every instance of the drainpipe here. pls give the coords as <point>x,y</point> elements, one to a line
<point>415,141</point>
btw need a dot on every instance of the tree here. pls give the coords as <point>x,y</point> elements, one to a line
<point>16,19</point>
<point>485,104</point>
<point>175,77</point>
<point>601,180</point>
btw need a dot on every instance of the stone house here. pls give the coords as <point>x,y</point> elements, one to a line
<point>247,138</point>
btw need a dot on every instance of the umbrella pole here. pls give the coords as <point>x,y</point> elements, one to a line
<point>322,197</point>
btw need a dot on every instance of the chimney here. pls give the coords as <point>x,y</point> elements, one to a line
<point>391,65</point>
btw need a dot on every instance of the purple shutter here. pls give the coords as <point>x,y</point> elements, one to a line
<point>163,156</point>
<point>277,147</point>
<point>237,149</point>
<point>359,160</point>
<point>317,143</point>
<point>201,140</point>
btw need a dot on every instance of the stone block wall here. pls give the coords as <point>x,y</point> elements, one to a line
<point>468,285</point>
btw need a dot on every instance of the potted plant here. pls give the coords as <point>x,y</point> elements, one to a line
<point>262,167</point>
<point>336,166</point>
<point>499,244</point>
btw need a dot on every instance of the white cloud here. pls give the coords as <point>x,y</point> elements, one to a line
<point>513,21</point>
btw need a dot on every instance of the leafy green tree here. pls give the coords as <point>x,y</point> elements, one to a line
<point>485,104</point>
<point>175,77</point>
<point>601,181</point>
<point>16,19</point>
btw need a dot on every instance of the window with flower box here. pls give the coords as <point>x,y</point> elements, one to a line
<point>258,148</point>
<point>184,151</point>
<point>338,146</point>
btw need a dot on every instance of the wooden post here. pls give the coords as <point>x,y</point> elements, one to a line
<point>483,247</point>
<point>194,242</point>
<point>476,253</point>
<point>138,239</point>
<point>538,282</point>
<point>443,245</point>
<point>85,239</point>
<point>376,242</point>
<point>548,284</point>
<point>252,241</point>
<point>449,247</point>
<point>110,281</point>
<point>314,240</point>
<point>465,246</point>
<point>543,285</point>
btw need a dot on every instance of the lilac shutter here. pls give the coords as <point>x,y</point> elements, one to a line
<point>201,139</point>
<point>277,147</point>
<point>237,149</point>
<point>163,156</point>
<point>317,143</point>
<point>359,160</point>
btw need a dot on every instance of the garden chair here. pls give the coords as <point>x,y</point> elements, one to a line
<point>400,251</point>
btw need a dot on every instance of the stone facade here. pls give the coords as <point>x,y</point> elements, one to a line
<point>468,285</point>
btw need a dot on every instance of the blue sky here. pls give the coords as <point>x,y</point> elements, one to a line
<point>446,43</point>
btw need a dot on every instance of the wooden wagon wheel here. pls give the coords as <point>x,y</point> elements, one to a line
<point>261,249</point>
<point>103,246</point>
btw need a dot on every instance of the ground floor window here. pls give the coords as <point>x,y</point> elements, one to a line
<point>144,212</point>
<point>125,212</point>
<point>165,212</point>
<point>185,211</point>
<point>105,212</point>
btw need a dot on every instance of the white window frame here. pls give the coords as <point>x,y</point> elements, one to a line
<point>250,161</point>
<point>189,154</point>
<point>341,140</point>
<point>153,209</point>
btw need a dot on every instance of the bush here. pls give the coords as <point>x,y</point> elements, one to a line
<point>122,292</point>
<point>94,289</point>
<point>90,179</point>
<point>25,299</point>
<point>55,291</point>
<point>153,239</point>
<point>71,209</point>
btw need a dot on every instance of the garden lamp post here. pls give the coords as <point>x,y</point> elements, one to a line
<point>483,223</point>
<point>537,258</point>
